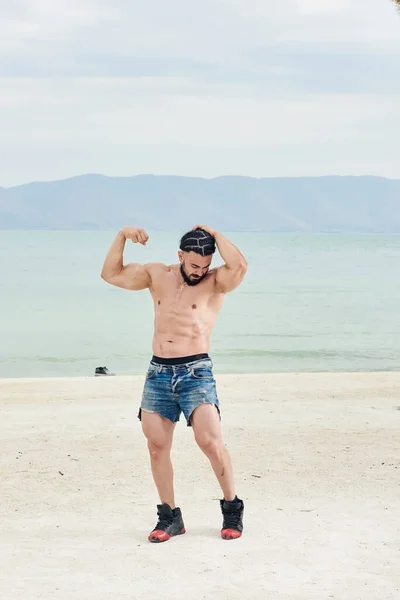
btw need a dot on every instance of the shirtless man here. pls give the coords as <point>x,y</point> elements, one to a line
<point>187,299</point>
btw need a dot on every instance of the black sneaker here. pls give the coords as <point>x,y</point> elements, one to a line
<point>102,371</point>
<point>170,523</point>
<point>232,512</point>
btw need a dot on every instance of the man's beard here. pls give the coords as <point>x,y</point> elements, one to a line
<point>189,281</point>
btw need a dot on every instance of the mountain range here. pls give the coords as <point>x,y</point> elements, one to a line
<point>364,204</point>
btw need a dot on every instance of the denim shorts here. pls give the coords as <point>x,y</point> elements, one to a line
<point>173,386</point>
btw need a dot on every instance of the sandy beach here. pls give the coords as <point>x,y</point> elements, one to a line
<point>317,462</point>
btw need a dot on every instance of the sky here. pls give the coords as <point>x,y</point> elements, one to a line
<point>198,88</point>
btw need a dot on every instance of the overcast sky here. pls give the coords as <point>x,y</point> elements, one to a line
<point>198,87</point>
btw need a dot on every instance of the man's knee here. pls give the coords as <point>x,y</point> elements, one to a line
<point>158,447</point>
<point>211,446</point>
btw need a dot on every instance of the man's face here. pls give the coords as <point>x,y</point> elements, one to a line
<point>194,267</point>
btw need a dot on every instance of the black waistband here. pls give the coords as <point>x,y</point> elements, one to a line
<point>180,360</point>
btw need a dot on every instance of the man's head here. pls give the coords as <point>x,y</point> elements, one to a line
<point>195,255</point>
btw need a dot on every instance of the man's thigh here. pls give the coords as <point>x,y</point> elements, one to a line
<point>206,423</point>
<point>158,430</point>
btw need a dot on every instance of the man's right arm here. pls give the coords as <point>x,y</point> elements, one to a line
<point>133,276</point>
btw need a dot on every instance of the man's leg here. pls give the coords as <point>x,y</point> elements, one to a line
<point>159,433</point>
<point>206,425</point>
<point>207,430</point>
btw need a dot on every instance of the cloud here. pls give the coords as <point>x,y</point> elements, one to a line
<point>98,38</point>
<point>201,87</point>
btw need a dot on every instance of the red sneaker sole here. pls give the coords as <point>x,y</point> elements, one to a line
<point>157,537</point>
<point>230,534</point>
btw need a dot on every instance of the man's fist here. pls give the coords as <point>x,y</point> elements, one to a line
<point>136,234</point>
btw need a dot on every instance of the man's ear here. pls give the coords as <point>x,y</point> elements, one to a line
<point>180,255</point>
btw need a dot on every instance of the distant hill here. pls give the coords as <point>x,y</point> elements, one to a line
<point>308,204</point>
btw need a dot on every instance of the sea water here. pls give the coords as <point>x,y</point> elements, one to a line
<point>307,303</point>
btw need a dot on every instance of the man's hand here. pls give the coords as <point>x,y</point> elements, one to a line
<point>135,234</point>
<point>206,228</point>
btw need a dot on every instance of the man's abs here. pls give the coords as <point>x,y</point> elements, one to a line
<point>181,334</point>
<point>174,348</point>
<point>184,316</point>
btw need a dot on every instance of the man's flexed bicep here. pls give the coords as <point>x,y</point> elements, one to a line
<point>229,278</point>
<point>133,276</point>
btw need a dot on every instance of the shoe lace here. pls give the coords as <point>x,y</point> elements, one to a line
<point>231,520</point>
<point>163,523</point>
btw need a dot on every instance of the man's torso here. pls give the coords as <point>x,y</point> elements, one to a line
<point>183,315</point>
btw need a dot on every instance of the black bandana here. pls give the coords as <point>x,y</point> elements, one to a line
<point>198,241</point>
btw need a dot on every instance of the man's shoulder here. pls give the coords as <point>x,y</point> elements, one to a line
<point>212,274</point>
<point>158,270</point>
<point>210,281</point>
<point>156,267</point>
<point>159,274</point>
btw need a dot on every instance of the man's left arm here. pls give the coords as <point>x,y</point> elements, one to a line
<point>231,274</point>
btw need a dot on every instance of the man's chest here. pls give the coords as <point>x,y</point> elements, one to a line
<point>180,300</point>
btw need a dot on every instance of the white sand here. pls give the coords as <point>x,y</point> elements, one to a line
<point>317,462</point>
